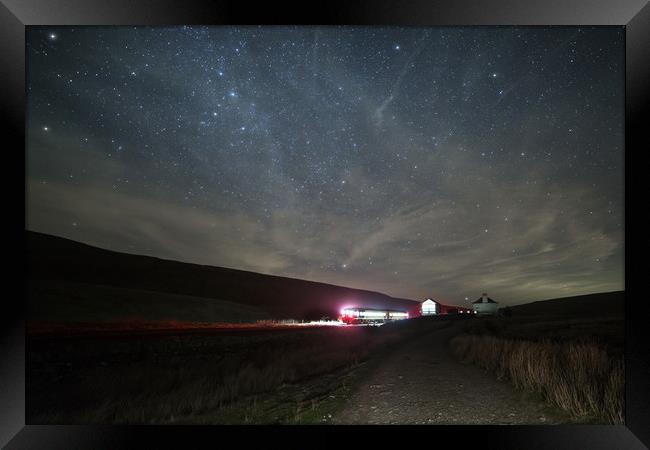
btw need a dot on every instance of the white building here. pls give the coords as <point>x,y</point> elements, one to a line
<point>485,305</point>
<point>429,307</point>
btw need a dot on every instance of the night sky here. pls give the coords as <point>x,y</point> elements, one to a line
<point>439,162</point>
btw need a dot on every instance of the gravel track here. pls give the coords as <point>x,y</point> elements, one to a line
<point>421,383</point>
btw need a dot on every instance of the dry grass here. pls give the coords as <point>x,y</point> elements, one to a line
<point>580,376</point>
<point>178,380</point>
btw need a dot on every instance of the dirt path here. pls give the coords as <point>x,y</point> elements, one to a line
<point>420,383</point>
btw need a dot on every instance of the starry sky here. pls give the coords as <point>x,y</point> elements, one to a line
<point>418,162</point>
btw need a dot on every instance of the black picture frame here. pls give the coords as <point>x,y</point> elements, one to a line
<point>15,15</point>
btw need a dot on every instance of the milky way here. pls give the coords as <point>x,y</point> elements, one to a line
<point>439,162</point>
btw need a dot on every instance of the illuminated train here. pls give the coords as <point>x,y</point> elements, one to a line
<point>354,315</point>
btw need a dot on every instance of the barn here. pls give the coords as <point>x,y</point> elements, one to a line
<point>428,308</point>
<point>431,307</point>
<point>485,305</point>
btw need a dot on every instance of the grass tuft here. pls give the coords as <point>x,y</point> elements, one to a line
<point>581,377</point>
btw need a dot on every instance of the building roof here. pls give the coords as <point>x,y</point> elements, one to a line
<point>480,300</point>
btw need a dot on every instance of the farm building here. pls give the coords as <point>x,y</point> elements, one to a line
<point>485,305</point>
<point>431,307</point>
<point>355,315</point>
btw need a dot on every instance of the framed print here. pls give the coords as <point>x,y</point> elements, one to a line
<point>353,220</point>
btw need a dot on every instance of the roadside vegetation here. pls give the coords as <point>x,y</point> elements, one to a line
<point>580,372</point>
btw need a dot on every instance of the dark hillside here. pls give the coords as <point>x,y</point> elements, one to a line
<point>606,304</point>
<point>53,260</point>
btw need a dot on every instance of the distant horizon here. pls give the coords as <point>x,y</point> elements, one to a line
<point>432,296</point>
<point>416,162</point>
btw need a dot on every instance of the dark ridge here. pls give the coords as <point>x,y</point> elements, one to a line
<point>589,305</point>
<point>56,260</point>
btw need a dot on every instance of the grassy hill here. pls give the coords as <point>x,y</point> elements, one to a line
<point>71,279</point>
<point>607,304</point>
<point>598,316</point>
<point>64,301</point>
